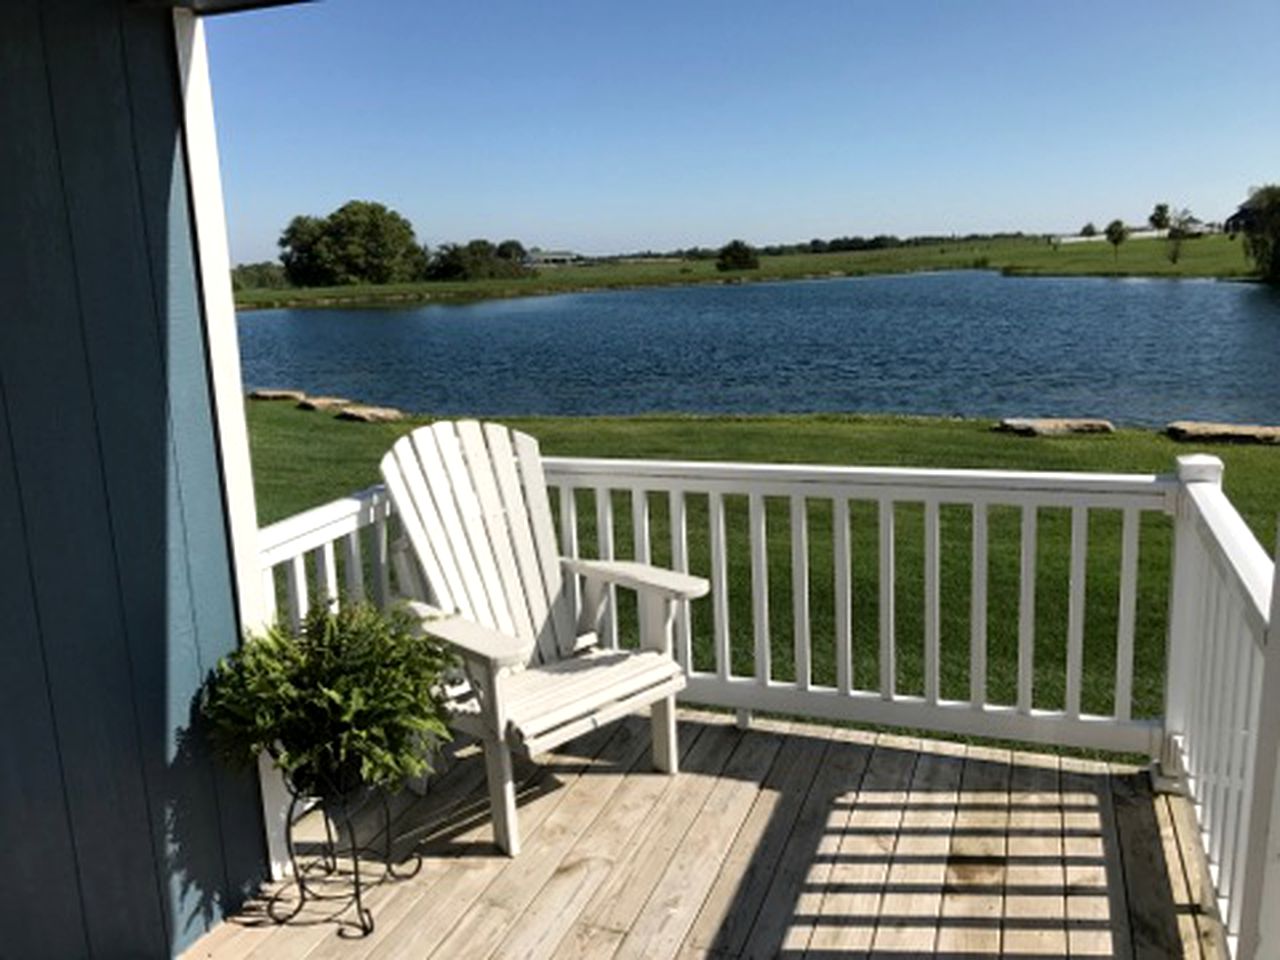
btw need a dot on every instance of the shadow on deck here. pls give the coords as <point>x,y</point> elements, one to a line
<point>786,840</point>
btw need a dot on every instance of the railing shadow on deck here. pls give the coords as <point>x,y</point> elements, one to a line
<point>877,849</point>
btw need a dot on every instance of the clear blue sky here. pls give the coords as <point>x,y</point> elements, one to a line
<point>608,127</point>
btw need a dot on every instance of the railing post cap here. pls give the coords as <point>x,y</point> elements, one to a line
<point>1200,468</point>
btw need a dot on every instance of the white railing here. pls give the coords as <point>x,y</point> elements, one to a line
<point>847,498</point>
<point>312,552</point>
<point>1223,711</point>
<point>760,531</point>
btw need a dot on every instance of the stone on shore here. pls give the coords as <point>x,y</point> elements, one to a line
<point>366,414</point>
<point>324,403</point>
<point>269,393</point>
<point>1052,426</point>
<point>1208,432</point>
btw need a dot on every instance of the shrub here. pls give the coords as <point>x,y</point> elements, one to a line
<point>348,700</point>
<point>1259,220</point>
<point>738,255</point>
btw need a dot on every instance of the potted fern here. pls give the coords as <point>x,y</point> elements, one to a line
<point>348,701</point>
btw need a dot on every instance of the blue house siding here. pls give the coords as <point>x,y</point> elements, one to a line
<point>116,596</point>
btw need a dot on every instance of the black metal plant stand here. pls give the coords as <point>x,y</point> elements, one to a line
<point>336,813</point>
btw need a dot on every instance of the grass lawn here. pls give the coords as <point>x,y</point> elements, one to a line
<point>304,459</point>
<point>1212,256</point>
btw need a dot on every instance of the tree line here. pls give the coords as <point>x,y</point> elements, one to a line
<point>363,242</point>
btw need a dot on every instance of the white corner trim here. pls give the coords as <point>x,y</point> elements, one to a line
<point>222,343</point>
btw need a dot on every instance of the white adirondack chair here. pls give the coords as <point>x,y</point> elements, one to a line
<point>473,501</point>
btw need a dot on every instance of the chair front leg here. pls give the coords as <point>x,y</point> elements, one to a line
<point>502,795</point>
<point>497,761</point>
<point>657,619</point>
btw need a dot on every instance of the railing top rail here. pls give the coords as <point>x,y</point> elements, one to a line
<point>1156,486</point>
<point>312,528</point>
<point>1225,532</point>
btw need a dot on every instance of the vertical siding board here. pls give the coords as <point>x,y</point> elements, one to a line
<point>33,802</point>
<point>202,557</point>
<point>54,432</point>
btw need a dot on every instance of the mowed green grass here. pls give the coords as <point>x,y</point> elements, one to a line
<point>304,459</point>
<point>1212,256</point>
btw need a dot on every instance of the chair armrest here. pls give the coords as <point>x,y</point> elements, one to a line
<point>640,577</point>
<point>472,639</point>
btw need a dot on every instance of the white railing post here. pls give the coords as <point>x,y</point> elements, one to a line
<point>1185,596</point>
<point>1259,926</point>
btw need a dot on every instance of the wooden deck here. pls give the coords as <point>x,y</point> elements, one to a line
<point>788,840</point>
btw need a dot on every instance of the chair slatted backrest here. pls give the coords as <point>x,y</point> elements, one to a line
<point>473,501</point>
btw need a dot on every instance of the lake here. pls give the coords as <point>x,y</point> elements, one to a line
<point>971,343</point>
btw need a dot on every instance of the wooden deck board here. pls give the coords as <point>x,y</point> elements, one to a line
<point>865,825</point>
<point>1091,855</point>
<point>973,903</point>
<point>730,908</point>
<point>788,840</point>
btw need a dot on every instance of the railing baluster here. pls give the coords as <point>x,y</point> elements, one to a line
<point>640,546</point>
<point>1235,760</point>
<point>296,590</point>
<point>1251,739</point>
<point>719,586</point>
<point>569,539</point>
<point>1207,688</point>
<point>353,566</point>
<point>1217,738</point>
<point>932,603</point>
<point>1075,607</point>
<point>680,563</point>
<point>1225,740</point>
<point>978,609</point>
<point>843,561</point>
<point>1027,611</point>
<point>568,521</point>
<point>604,541</point>
<point>327,575</point>
<point>1201,665</point>
<point>1129,547</point>
<point>640,524</point>
<point>760,587</point>
<point>381,560</point>
<point>800,589</point>
<point>269,611</point>
<point>888,579</point>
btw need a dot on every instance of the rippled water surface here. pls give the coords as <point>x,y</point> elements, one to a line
<point>1136,351</point>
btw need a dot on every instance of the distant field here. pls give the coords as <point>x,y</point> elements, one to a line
<point>304,459</point>
<point>1213,256</point>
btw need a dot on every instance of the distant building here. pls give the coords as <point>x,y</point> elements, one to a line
<point>552,258</point>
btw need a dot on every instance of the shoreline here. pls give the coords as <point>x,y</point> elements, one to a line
<point>1213,258</point>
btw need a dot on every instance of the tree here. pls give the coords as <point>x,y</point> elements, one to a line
<point>1258,219</point>
<point>449,262</point>
<point>477,260</point>
<point>1159,218</point>
<point>267,275</point>
<point>738,255</point>
<point>360,242</point>
<point>300,252</point>
<point>512,250</point>
<point>1089,230</point>
<point>1117,233</point>
<point>1180,227</point>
